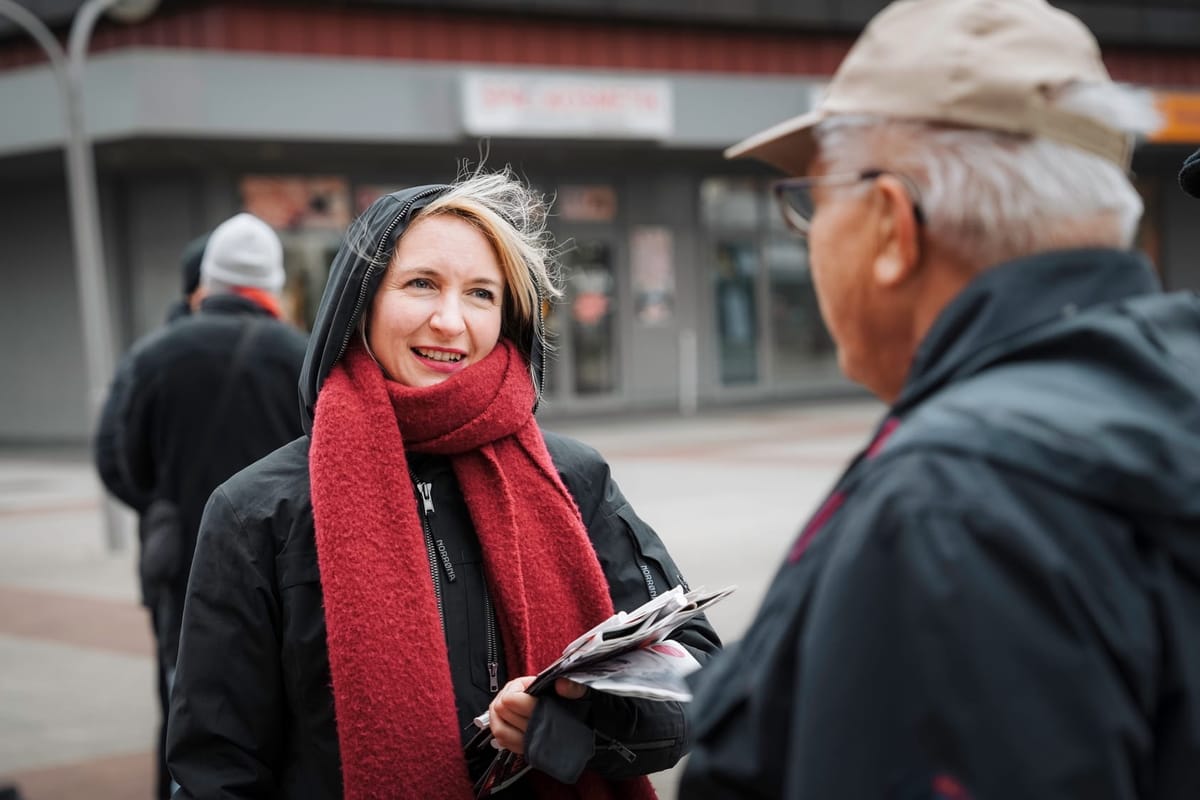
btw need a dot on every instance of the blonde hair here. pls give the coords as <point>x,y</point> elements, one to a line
<point>513,218</point>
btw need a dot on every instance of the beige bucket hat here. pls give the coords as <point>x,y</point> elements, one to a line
<point>991,64</point>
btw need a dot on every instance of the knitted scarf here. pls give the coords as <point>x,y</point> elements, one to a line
<point>393,698</point>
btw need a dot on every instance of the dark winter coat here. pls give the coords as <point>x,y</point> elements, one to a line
<point>252,713</point>
<point>171,430</point>
<point>1001,597</point>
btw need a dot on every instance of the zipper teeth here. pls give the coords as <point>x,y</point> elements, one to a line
<point>433,571</point>
<point>541,335</point>
<point>362,289</point>
<point>491,627</point>
<point>431,551</point>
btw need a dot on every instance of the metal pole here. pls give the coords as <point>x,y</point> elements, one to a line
<point>89,245</point>
<point>85,220</point>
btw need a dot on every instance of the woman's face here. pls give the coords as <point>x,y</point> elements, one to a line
<point>437,310</point>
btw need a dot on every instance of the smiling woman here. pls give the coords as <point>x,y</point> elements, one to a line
<point>427,549</point>
<point>438,309</point>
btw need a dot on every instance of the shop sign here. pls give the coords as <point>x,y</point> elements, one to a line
<point>509,104</point>
<point>1181,117</point>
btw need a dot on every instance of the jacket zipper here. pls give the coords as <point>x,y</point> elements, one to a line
<point>540,335</point>
<point>493,656</point>
<point>626,751</point>
<point>387,235</point>
<point>425,490</point>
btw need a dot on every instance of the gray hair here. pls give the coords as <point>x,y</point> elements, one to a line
<point>990,196</point>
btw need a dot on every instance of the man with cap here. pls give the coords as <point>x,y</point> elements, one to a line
<point>195,402</point>
<point>1000,597</point>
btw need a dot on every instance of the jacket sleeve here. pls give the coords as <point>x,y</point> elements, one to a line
<point>226,729</point>
<point>949,654</point>
<point>633,736</point>
<point>118,443</point>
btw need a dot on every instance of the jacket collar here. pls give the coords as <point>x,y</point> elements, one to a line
<point>1014,299</point>
<point>231,304</point>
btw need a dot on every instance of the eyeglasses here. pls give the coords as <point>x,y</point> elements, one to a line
<point>795,195</point>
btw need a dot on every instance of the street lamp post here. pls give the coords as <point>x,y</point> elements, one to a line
<point>81,188</point>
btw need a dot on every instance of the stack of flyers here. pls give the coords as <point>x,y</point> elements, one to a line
<point>627,631</point>
<point>629,654</point>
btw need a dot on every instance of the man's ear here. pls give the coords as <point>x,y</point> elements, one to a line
<point>198,294</point>
<point>899,235</point>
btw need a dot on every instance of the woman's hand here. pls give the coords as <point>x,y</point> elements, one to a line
<point>511,710</point>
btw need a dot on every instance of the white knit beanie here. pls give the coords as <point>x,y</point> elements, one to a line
<point>244,251</point>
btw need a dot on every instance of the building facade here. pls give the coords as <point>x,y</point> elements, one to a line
<point>683,289</point>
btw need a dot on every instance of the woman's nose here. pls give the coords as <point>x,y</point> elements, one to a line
<point>447,317</point>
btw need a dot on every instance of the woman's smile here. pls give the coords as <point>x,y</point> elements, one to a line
<point>439,307</point>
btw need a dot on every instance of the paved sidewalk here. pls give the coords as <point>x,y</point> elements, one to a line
<point>726,491</point>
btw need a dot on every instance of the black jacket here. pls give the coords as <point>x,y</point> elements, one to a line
<point>1001,597</point>
<point>162,434</point>
<point>252,711</point>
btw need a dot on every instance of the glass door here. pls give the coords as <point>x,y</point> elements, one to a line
<point>584,325</point>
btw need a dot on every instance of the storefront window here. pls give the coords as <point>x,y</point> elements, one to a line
<point>306,260</point>
<point>757,261</point>
<point>731,202</point>
<point>798,336</point>
<point>737,315</point>
<point>591,290</point>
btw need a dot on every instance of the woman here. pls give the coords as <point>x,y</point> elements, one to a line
<point>422,546</point>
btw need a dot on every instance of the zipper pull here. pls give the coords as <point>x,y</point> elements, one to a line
<point>425,489</point>
<point>494,676</point>
<point>621,750</point>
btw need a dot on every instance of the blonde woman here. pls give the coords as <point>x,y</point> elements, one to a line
<point>362,593</point>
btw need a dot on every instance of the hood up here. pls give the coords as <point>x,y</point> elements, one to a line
<point>354,277</point>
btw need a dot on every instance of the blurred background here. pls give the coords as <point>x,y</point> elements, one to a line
<point>129,127</point>
<point>684,289</point>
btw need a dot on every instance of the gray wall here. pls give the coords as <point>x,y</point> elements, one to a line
<point>43,390</point>
<point>160,214</point>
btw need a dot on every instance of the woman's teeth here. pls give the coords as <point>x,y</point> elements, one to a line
<point>438,355</point>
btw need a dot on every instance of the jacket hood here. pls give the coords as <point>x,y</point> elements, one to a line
<point>1081,373</point>
<point>354,276</point>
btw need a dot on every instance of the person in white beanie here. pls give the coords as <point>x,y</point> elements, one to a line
<point>244,257</point>
<point>193,403</point>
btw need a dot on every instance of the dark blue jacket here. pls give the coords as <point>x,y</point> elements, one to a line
<point>1001,596</point>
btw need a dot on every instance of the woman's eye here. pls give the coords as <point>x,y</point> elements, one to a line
<point>484,294</point>
<point>420,283</point>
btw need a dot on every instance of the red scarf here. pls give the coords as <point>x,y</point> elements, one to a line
<point>393,698</point>
<point>266,300</point>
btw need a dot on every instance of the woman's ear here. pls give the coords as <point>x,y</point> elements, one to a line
<point>899,244</point>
